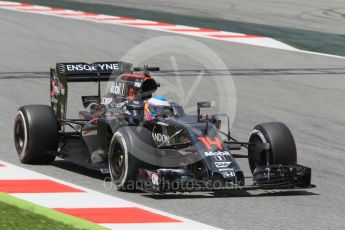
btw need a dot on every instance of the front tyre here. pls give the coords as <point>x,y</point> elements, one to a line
<point>35,133</point>
<point>123,164</point>
<point>282,145</point>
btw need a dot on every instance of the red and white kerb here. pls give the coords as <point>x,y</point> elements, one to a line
<point>102,209</point>
<point>146,24</point>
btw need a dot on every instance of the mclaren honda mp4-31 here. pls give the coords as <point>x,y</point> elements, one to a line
<point>171,152</point>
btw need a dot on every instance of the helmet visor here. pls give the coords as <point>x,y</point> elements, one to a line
<point>158,108</point>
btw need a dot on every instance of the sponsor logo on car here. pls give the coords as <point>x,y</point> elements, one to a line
<point>86,67</point>
<point>219,158</point>
<point>57,88</point>
<point>222,164</point>
<point>155,179</point>
<point>121,104</point>
<point>131,94</point>
<point>118,88</point>
<point>162,123</point>
<point>225,169</point>
<point>137,84</point>
<point>106,100</point>
<point>228,174</point>
<point>218,153</point>
<point>160,137</point>
<point>53,100</point>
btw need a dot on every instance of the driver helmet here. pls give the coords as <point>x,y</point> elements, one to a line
<point>154,106</point>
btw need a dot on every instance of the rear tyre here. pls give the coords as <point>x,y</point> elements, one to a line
<point>123,163</point>
<point>35,133</point>
<point>283,147</point>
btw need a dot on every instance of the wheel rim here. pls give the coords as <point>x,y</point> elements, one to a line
<point>20,136</point>
<point>118,162</point>
<point>255,162</point>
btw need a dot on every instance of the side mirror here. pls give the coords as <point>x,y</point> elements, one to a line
<point>202,104</point>
<point>217,123</point>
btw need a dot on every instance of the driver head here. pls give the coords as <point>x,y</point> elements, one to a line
<point>157,106</point>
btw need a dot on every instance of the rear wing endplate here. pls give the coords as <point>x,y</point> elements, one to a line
<point>80,72</point>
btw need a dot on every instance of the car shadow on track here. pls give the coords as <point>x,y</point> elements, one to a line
<point>232,194</point>
<point>205,195</point>
<point>62,164</point>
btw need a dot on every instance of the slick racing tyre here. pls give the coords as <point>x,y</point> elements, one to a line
<point>35,134</point>
<point>124,163</point>
<point>282,145</point>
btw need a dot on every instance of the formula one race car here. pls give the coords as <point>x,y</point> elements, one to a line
<point>149,143</point>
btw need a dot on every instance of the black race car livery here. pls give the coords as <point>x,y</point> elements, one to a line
<point>172,152</point>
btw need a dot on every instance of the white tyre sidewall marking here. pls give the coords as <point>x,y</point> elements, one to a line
<point>258,133</point>
<point>123,142</point>
<point>23,153</point>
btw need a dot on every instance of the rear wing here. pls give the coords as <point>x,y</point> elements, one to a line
<point>83,72</point>
<point>80,72</point>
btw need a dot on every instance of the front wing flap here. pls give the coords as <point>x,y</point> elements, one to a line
<point>266,177</point>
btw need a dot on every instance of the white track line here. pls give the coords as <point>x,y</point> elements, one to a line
<point>74,200</point>
<point>146,24</point>
<point>160,26</point>
<point>185,226</point>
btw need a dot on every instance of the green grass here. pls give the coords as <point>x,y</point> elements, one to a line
<point>16,218</point>
<point>18,214</point>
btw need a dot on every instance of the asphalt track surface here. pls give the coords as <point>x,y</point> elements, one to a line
<point>310,25</point>
<point>304,91</point>
<point>318,15</point>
